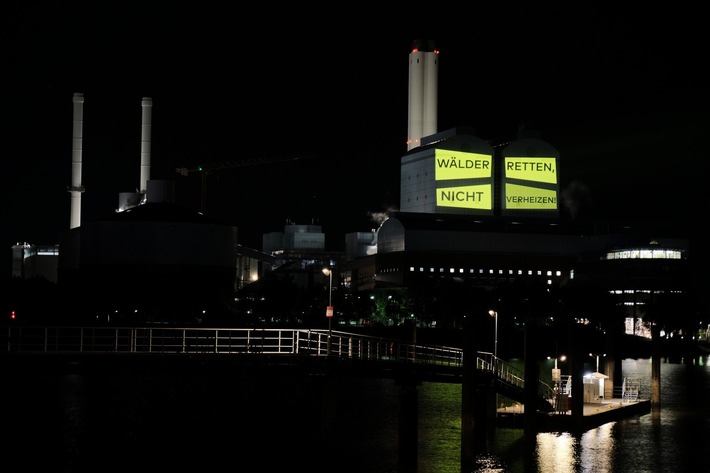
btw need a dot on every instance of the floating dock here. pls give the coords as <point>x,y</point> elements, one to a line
<point>594,415</point>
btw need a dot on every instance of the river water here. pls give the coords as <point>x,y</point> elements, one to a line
<point>258,422</point>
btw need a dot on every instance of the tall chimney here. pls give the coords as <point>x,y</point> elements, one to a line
<point>147,106</point>
<point>423,83</point>
<point>77,145</point>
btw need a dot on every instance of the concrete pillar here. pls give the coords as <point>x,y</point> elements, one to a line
<point>532,378</point>
<point>408,422</point>
<point>576,359</point>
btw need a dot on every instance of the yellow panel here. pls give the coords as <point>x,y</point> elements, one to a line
<point>466,197</point>
<point>460,165</point>
<point>524,197</point>
<point>531,169</point>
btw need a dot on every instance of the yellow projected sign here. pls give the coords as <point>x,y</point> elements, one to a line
<point>531,169</point>
<point>460,165</point>
<point>466,197</point>
<point>524,197</point>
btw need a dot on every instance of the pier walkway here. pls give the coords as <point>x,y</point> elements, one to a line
<point>349,353</point>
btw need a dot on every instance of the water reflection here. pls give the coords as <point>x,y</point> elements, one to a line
<point>270,421</point>
<point>667,439</point>
<point>597,448</point>
<point>556,450</point>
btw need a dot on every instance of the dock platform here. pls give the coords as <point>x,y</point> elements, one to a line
<point>594,415</point>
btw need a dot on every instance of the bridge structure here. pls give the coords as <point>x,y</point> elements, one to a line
<point>350,354</point>
<point>100,349</point>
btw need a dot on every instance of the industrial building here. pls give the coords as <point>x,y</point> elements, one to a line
<point>485,214</point>
<point>473,211</point>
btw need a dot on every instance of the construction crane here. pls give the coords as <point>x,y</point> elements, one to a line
<point>207,169</point>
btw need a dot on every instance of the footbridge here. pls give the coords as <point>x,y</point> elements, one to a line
<point>350,353</point>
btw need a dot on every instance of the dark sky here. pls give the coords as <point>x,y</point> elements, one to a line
<point>620,92</point>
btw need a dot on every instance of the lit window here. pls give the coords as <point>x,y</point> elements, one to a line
<point>644,253</point>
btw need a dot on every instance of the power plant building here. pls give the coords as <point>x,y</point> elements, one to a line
<point>470,211</point>
<point>484,215</point>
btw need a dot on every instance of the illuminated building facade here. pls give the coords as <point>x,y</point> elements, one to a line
<point>469,211</point>
<point>450,173</point>
<point>485,215</point>
<point>455,172</point>
<point>640,276</point>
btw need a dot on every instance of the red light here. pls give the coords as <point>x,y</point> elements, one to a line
<point>12,315</point>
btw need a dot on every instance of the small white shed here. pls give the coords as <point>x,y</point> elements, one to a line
<point>594,387</point>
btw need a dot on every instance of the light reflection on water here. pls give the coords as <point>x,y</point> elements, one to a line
<point>557,450</point>
<point>667,439</point>
<point>180,421</point>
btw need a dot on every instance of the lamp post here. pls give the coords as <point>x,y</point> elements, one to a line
<point>597,355</point>
<point>329,310</point>
<point>494,314</point>
<point>557,373</point>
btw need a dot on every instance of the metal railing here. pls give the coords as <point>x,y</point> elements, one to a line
<point>268,341</point>
<point>64,339</point>
<point>630,390</point>
<point>512,378</point>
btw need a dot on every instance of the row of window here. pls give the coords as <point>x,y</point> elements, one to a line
<point>644,254</point>
<point>500,272</point>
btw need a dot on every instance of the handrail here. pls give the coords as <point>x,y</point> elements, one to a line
<point>100,339</point>
<point>271,341</point>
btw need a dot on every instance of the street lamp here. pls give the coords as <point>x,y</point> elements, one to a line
<point>494,314</point>
<point>557,373</point>
<point>597,355</point>
<point>561,358</point>
<point>329,310</point>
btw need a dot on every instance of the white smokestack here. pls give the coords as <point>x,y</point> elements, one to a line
<point>423,84</point>
<point>77,146</point>
<point>147,106</point>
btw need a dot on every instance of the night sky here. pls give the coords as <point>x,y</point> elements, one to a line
<point>620,92</point>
